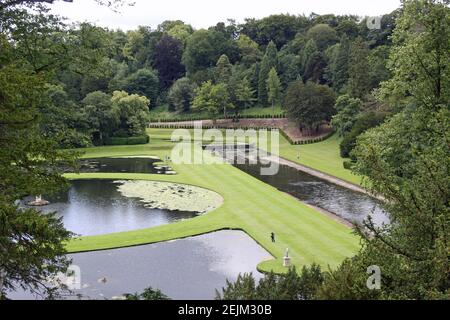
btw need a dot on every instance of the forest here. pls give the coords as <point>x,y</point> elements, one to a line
<point>105,85</point>
<point>71,89</point>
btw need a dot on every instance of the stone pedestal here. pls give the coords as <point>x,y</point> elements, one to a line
<point>286,262</point>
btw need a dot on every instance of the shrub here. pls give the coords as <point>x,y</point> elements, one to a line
<point>364,123</point>
<point>120,141</point>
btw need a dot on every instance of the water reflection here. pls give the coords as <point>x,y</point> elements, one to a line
<point>350,205</point>
<point>183,269</point>
<point>93,207</point>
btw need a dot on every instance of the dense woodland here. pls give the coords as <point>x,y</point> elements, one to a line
<point>77,85</point>
<point>303,63</point>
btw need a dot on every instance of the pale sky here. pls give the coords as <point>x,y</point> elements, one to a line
<point>206,13</point>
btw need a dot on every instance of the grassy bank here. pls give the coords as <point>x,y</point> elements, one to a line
<point>250,205</point>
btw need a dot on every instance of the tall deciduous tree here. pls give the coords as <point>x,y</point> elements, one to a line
<point>167,60</point>
<point>212,98</point>
<point>181,95</point>
<point>310,104</point>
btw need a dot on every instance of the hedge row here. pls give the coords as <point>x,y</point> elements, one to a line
<point>283,133</point>
<point>309,141</point>
<point>116,141</point>
<point>200,118</point>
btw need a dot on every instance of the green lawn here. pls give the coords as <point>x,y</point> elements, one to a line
<point>250,205</point>
<point>323,156</point>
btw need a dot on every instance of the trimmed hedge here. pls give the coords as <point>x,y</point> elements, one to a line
<point>200,118</point>
<point>117,141</point>
<point>283,133</point>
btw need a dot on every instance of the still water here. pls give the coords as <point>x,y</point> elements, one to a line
<point>350,205</point>
<point>189,268</point>
<point>94,207</point>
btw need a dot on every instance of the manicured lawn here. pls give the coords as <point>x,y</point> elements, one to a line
<point>249,205</point>
<point>323,156</point>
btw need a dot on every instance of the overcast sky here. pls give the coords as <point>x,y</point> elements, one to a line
<point>205,13</point>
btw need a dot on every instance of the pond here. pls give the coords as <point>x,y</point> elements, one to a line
<point>122,165</point>
<point>348,204</point>
<point>93,207</point>
<point>189,268</point>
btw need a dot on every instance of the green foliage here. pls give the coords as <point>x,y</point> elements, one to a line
<point>149,294</point>
<point>223,70</point>
<point>269,61</point>
<point>291,286</point>
<point>309,50</point>
<point>181,95</point>
<point>244,94</point>
<point>359,82</point>
<point>405,160</point>
<point>204,48</point>
<point>143,82</point>
<point>347,109</point>
<point>309,105</point>
<point>363,123</point>
<point>249,49</point>
<point>212,98</point>
<point>341,67</point>
<point>133,112</point>
<point>323,35</point>
<point>273,87</point>
<point>32,248</point>
<point>118,141</point>
<point>421,56</point>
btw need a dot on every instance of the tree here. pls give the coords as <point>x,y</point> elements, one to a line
<point>362,123</point>
<point>421,56</point>
<point>347,109</point>
<point>323,35</point>
<point>32,246</point>
<point>359,84</point>
<point>269,61</point>
<point>204,48</point>
<point>315,68</point>
<point>341,69</point>
<point>273,89</point>
<point>167,60</point>
<point>245,95</point>
<point>181,95</point>
<point>143,82</point>
<point>223,70</point>
<point>309,105</point>
<point>249,49</point>
<point>133,113</point>
<point>309,50</point>
<point>290,286</point>
<point>405,160</point>
<point>149,294</point>
<point>114,4</point>
<point>102,118</point>
<point>212,98</point>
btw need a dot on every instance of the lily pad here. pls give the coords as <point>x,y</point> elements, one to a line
<point>171,196</point>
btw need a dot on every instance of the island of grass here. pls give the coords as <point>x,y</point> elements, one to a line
<point>249,205</point>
